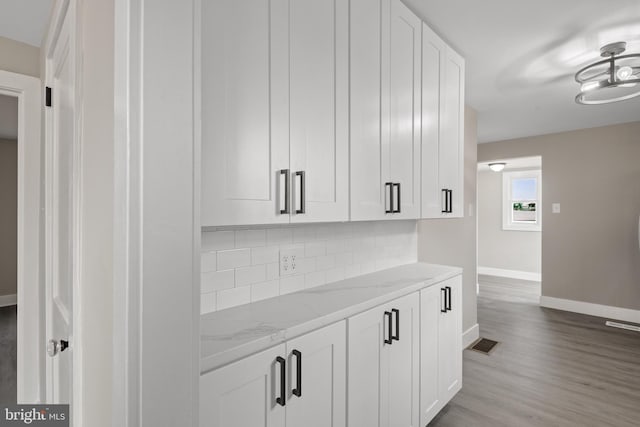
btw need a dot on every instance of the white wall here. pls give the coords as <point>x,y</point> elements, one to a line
<point>241,265</point>
<point>498,248</point>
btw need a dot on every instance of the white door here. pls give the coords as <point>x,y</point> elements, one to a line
<point>317,364</point>
<point>450,340</point>
<point>245,393</point>
<point>319,109</point>
<point>402,394</point>
<point>431,304</point>
<point>62,217</point>
<point>404,110</point>
<point>452,133</point>
<point>369,170</point>
<point>244,102</point>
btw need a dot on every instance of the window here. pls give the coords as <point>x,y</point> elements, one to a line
<point>521,197</point>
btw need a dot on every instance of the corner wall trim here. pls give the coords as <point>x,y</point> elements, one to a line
<point>598,310</point>
<point>470,336</point>
<point>512,274</point>
<point>7,300</point>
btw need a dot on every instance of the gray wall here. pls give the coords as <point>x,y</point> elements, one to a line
<point>19,57</point>
<point>589,250</point>
<point>498,248</point>
<point>453,241</point>
<point>8,217</point>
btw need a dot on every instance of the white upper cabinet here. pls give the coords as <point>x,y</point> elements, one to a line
<point>385,110</point>
<point>443,72</point>
<point>273,98</point>
<point>319,97</point>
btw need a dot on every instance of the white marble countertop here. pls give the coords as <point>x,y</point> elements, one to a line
<point>231,334</point>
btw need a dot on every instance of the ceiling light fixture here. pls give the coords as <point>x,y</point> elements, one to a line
<point>497,167</point>
<point>615,78</point>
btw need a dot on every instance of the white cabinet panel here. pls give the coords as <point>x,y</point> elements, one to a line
<point>322,358</point>
<point>431,302</point>
<point>243,393</point>
<point>383,365</point>
<point>450,341</point>
<point>319,34</point>
<point>244,105</point>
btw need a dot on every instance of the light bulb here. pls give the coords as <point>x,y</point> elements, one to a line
<point>589,86</point>
<point>624,73</point>
<point>497,167</point>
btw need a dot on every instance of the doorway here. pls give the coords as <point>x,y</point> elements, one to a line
<point>510,226</point>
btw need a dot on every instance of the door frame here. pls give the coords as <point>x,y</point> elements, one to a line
<point>30,363</point>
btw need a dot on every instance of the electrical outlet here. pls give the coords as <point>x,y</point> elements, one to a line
<point>288,263</point>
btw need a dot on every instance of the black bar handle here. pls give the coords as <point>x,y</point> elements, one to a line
<point>397,335</point>
<point>398,202</point>
<point>444,300</point>
<point>297,391</point>
<point>283,368</point>
<point>389,185</point>
<point>450,201</point>
<point>446,200</point>
<point>389,340</point>
<point>448,288</point>
<point>285,172</point>
<point>303,183</point>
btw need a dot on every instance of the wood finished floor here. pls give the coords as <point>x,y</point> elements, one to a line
<point>551,368</point>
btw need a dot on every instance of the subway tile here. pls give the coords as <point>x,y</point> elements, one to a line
<point>352,270</point>
<point>273,271</point>
<point>265,255</point>
<point>345,258</point>
<point>317,278</point>
<point>307,233</point>
<point>249,275</point>
<point>335,274</point>
<point>234,258</point>
<point>265,290</point>
<point>338,246</point>
<point>217,280</point>
<point>233,297</point>
<point>291,284</point>
<point>315,249</point>
<point>217,241</point>
<point>250,238</point>
<point>207,302</point>
<point>325,262</point>
<point>208,262</point>
<point>279,236</point>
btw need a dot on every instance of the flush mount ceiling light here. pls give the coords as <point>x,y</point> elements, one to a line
<point>497,167</point>
<point>615,78</point>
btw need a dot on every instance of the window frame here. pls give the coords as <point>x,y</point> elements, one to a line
<point>507,204</point>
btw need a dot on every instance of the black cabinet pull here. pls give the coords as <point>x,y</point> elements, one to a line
<point>297,391</point>
<point>389,186</point>
<point>283,368</point>
<point>450,201</point>
<point>446,200</point>
<point>303,203</point>
<point>285,172</point>
<point>448,300</point>
<point>397,335</point>
<point>443,300</point>
<point>389,340</point>
<point>398,202</point>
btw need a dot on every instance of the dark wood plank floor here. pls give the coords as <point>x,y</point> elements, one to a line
<point>8,354</point>
<point>551,368</point>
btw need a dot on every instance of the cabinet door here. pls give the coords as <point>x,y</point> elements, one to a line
<point>402,393</point>
<point>244,393</point>
<point>452,133</point>
<point>431,304</point>
<point>433,53</point>
<point>244,104</point>
<point>321,356</point>
<point>319,109</point>
<point>404,109</point>
<point>450,342</point>
<point>369,26</point>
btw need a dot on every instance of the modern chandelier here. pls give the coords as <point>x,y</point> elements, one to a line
<point>613,79</point>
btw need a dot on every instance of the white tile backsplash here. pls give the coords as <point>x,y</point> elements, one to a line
<point>241,265</point>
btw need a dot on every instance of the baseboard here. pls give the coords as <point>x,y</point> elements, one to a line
<point>598,310</point>
<point>470,336</point>
<point>7,300</point>
<point>512,274</point>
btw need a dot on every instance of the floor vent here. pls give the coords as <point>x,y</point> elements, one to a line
<point>484,346</point>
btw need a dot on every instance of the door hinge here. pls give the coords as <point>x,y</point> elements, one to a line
<point>47,97</point>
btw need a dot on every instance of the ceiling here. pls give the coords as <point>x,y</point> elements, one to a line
<point>24,20</point>
<point>8,117</point>
<point>522,55</point>
<point>513,164</point>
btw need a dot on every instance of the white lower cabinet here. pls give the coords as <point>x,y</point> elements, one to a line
<point>440,346</point>
<point>299,383</point>
<point>383,365</point>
